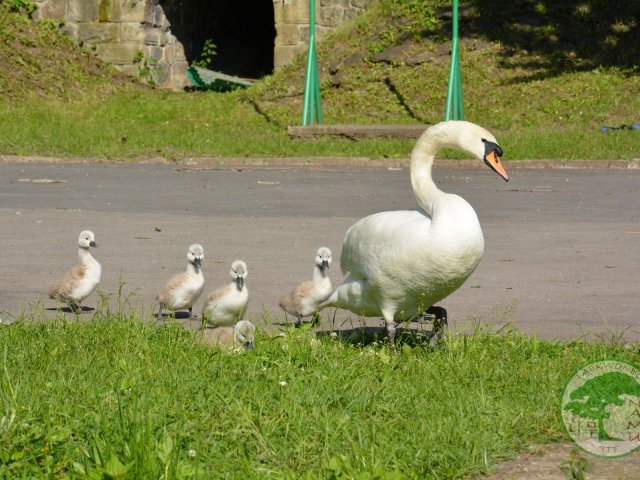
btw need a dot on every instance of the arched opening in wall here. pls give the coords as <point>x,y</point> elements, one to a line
<point>243,33</point>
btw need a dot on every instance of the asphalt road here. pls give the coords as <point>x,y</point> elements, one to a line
<point>562,247</point>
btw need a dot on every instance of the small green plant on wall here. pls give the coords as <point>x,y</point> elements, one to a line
<point>209,50</point>
<point>19,6</point>
<point>147,67</point>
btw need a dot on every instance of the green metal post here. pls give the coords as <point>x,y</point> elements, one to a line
<point>312,112</point>
<point>454,108</point>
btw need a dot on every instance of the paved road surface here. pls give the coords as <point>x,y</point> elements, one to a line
<point>562,249</point>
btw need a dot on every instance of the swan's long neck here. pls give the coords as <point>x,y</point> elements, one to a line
<point>422,158</point>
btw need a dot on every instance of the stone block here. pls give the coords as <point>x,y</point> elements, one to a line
<point>350,13</point>
<point>291,13</point>
<point>50,10</point>
<point>83,10</point>
<point>361,3</point>
<point>110,10</point>
<point>132,70</point>
<point>149,13</point>
<point>289,34</point>
<point>170,54</point>
<point>341,3</point>
<point>131,32</point>
<point>304,34</point>
<point>162,74</point>
<point>159,18</point>
<point>331,16</point>
<point>174,53</point>
<point>118,53</point>
<point>179,75</point>
<point>156,37</point>
<point>71,29</point>
<point>133,11</point>
<point>97,33</point>
<point>156,52</point>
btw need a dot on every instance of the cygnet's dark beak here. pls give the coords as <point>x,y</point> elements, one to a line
<point>248,346</point>
<point>197,261</point>
<point>93,244</point>
<point>325,264</point>
<point>240,282</point>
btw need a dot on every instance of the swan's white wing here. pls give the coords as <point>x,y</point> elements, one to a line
<point>373,240</point>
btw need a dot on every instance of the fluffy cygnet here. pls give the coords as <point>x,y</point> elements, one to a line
<point>184,289</point>
<point>78,283</point>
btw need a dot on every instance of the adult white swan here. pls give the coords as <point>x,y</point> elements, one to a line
<point>397,264</point>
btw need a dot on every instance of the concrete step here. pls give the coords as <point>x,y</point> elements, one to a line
<point>358,131</point>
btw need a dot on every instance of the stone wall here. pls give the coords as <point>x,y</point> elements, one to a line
<point>292,23</point>
<point>119,29</point>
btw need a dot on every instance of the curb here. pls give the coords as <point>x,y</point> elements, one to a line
<point>211,163</point>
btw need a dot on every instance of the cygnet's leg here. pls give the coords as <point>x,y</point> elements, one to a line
<point>159,316</point>
<point>298,323</point>
<point>190,312</point>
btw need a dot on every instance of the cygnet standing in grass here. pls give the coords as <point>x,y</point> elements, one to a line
<point>303,300</point>
<point>227,305</point>
<point>242,334</point>
<point>183,290</point>
<point>78,283</point>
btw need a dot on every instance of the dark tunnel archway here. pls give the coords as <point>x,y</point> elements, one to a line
<point>242,31</point>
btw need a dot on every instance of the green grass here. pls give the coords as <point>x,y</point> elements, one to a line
<point>544,92</point>
<point>118,397</point>
<point>176,126</point>
<point>163,124</point>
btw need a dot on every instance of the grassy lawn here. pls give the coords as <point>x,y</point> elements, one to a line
<point>176,126</point>
<point>172,125</point>
<point>119,397</point>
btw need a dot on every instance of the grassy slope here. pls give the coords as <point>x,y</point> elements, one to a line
<point>542,99</point>
<point>36,62</point>
<point>546,91</point>
<point>113,395</point>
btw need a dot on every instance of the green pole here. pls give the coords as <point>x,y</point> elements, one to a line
<point>454,108</point>
<point>312,111</point>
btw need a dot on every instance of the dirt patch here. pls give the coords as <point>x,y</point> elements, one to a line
<point>555,461</point>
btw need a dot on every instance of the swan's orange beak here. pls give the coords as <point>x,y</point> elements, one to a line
<point>493,161</point>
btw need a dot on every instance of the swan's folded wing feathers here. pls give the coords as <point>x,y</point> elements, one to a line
<point>303,290</point>
<point>65,286</point>
<point>219,293</point>
<point>175,282</point>
<point>219,336</point>
<point>291,303</point>
<point>377,236</point>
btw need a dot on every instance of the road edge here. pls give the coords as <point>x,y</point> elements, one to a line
<point>320,162</point>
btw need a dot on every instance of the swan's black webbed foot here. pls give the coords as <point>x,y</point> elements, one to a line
<point>437,316</point>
